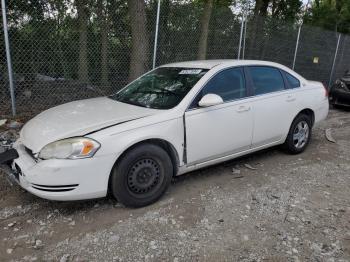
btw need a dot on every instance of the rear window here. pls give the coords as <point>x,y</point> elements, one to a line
<point>266,79</point>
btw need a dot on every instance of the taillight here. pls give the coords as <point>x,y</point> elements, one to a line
<point>325,90</point>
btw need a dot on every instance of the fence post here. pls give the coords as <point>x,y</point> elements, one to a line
<point>244,37</point>
<point>8,57</point>
<point>156,37</point>
<point>335,58</point>
<point>240,38</point>
<point>296,48</point>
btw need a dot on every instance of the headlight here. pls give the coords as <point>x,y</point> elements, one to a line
<point>340,84</point>
<point>71,148</point>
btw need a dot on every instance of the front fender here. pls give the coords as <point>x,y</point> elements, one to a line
<point>116,144</point>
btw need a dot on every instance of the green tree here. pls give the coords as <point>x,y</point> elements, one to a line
<point>83,18</point>
<point>205,19</point>
<point>139,38</point>
<point>330,14</point>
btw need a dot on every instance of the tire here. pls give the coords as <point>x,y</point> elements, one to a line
<point>296,142</point>
<point>141,176</point>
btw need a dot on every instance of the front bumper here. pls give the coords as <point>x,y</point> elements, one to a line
<point>60,179</point>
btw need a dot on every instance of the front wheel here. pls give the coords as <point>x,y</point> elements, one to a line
<point>141,176</point>
<point>299,134</point>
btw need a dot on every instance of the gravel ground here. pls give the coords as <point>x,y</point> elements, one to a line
<point>268,206</point>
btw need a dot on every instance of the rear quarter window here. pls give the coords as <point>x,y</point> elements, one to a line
<point>292,81</point>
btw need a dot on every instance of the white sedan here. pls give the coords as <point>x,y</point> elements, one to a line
<point>174,119</point>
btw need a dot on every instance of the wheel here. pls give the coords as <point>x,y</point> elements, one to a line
<point>299,134</point>
<point>141,176</point>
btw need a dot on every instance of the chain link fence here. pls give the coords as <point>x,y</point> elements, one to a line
<point>58,58</point>
<point>5,99</point>
<point>271,40</point>
<point>342,62</point>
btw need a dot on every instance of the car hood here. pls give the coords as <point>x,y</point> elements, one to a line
<point>77,119</point>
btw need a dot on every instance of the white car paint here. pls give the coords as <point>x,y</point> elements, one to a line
<point>78,118</point>
<point>198,137</point>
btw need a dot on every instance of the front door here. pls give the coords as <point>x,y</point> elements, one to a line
<point>222,129</point>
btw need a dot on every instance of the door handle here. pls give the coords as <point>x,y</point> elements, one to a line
<point>290,98</point>
<point>241,109</point>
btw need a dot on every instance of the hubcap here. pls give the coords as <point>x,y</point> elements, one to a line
<point>143,176</point>
<point>301,134</point>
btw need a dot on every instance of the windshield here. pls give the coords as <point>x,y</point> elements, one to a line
<point>162,88</point>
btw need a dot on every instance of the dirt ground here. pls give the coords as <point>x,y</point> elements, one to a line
<point>288,208</point>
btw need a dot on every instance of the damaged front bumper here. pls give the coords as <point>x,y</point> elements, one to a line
<point>57,179</point>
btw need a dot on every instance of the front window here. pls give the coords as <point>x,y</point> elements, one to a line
<point>229,84</point>
<point>163,88</point>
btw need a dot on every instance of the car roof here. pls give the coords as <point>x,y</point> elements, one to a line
<point>208,64</point>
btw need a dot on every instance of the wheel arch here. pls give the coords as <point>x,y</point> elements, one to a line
<point>309,112</point>
<point>306,111</point>
<point>166,145</point>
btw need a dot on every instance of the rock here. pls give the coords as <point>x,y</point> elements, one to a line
<point>236,171</point>
<point>275,196</point>
<point>41,223</point>
<point>14,125</point>
<point>64,258</point>
<point>328,133</point>
<point>9,251</point>
<point>114,238</point>
<point>221,220</point>
<point>3,122</point>
<point>153,244</point>
<point>250,167</point>
<point>72,223</point>
<point>11,224</point>
<point>38,244</point>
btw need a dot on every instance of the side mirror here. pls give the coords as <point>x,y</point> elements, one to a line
<point>210,100</point>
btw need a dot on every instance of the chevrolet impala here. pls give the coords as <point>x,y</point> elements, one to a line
<point>174,119</point>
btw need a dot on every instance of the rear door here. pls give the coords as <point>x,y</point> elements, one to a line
<point>223,129</point>
<point>274,104</point>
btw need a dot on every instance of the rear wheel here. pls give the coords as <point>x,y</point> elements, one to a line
<point>299,135</point>
<point>141,176</point>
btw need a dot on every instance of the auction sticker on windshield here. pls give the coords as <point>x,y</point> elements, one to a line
<point>190,71</point>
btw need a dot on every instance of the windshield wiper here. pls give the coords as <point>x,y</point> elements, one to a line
<point>132,103</point>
